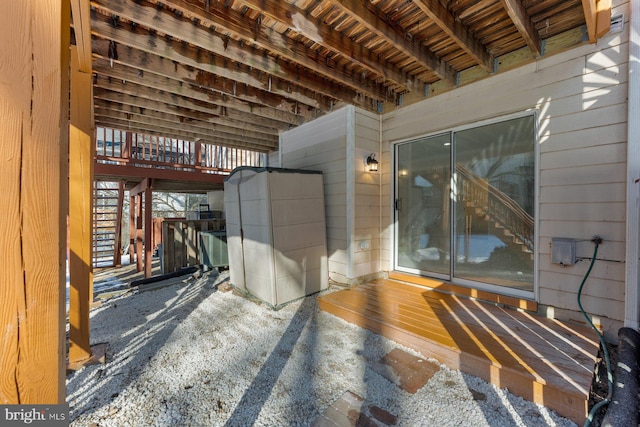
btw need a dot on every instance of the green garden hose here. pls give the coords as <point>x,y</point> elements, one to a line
<point>596,407</point>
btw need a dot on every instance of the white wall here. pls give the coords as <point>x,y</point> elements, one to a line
<point>321,145</point>
<point>580,97</point>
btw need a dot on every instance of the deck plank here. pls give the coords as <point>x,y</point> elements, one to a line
<point>543,360</point>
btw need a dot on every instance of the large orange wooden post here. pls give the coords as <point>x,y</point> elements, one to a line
<point>80,212</point>
<point>34,59</point>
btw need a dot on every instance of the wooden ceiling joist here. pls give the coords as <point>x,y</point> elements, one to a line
<point>458,32</point>
<point>522,21</point>
<point>301,67</point>
<point>365,14</point>
<point>192,118</point>
<point>205,138</point>
<point>218,131</point>
<point>139,91</point>
<point>182,53</point>
<point>314,29</point>
<point>150,80</point>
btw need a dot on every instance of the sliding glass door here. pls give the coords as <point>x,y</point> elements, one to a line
<point>465,205</point>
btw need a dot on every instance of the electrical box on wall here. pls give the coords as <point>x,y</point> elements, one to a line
<point>563,250</point>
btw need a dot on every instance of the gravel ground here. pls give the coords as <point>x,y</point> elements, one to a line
<point>188,355</point>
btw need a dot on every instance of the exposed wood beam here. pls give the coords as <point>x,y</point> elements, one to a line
<point>160,83</point>
<point>597,14</point>
<point>252,85</point>
<point>603,17</point>
<point>140,187</point>
<point>131,89</point>
<point>82,25</point>
<point>168,120</point>
<point>301,22</point>
<point>179,134</point>
<point>176,53</point>
<point>135,120</point>
<point>239,26</point>
<point>169,113</point>
<point>366,14</point>
<point>522,21</point>
<point>458,32</point>
<point>226,47</point>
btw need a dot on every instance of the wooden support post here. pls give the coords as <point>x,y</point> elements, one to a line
<point>117,245</point>
<point>138,232</point>
<point>148,230</point>
<point>126,146</point>
<point>132,227</point>
<point>34,56</point>
<point>80,212</point>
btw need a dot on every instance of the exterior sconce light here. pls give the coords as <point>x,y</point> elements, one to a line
<point>372,163</point>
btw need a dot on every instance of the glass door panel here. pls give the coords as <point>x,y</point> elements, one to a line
<point>422,205</point>
<point>494,203</point>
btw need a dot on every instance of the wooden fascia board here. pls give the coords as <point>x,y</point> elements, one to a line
<point>154,81</point>
<point>150,122</point>
<point>152,117</point>
<point>174,53</point>
<point>522,21</point>
<point>82,27</point>
<point>363,13</point>
<point>213,41</point>
<point>171,132</point>
<point>458,32</point>
<point>179,117</point>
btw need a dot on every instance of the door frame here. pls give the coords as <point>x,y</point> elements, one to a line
<point>497,289</point>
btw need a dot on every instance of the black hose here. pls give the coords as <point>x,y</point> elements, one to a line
<point>603,344</point>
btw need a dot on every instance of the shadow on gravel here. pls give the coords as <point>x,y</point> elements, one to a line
<point>147,328</point>
<point>254,398</point>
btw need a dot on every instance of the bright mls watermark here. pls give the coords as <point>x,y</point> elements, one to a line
<point>34,415</point>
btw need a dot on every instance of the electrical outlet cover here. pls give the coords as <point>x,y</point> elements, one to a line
<point>563,250</point>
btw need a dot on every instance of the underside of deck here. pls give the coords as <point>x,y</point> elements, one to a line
<point>542,360</point>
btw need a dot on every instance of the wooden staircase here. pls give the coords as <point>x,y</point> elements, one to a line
<point>503,214</point>
<point>107,219</point>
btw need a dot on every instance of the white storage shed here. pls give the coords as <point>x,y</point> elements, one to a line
<point>276,232</point>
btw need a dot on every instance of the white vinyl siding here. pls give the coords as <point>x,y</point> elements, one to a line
<point>580,96</point>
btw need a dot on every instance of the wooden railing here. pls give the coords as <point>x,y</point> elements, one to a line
<point>497,205</point>
<point>121,147</point>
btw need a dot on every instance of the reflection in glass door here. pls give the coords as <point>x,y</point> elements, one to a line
<point>480,232</point>
<point>422,205</point>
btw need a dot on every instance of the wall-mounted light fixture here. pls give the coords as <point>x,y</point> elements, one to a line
<point>372,163</point>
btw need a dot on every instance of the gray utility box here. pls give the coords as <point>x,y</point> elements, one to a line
<point>276,233</point>
<point>213,249</point>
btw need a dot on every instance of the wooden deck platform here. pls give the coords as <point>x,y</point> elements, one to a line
<point>542,360</point>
